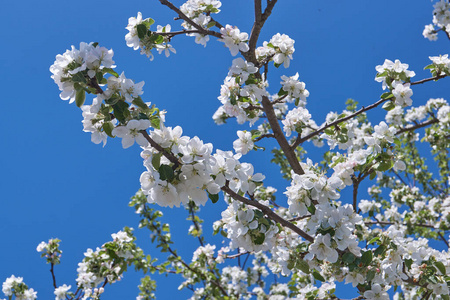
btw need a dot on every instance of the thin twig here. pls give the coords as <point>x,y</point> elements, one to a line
<point>428,79</point>
<point>53,275</point>
<point>301,140</point>
<point>420,125</point>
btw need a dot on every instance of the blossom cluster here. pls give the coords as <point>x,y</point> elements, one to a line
<point>396,77</point>
<point>279,49</point>
<point>50,251</point>
<point>199,12</point>
<point>247,228</point>
<point>441,19</point>
<point>193,173</point>
<point>234,39</point>
<point>117,110</point>
<point>105,264</point>
<point>14,286</point>
<point>140,36</point>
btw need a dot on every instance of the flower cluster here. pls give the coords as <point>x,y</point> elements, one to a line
<point>117,110</point>
<point>279,49</point>
<point>78,69</point>
<point>396,77</point>
<point>295,89</point>
<point>140,36</point>
<point>441,19</point>
<point>241,92</point>
<point>234,39</point>
<point>50,251</point>
<point>193,173</point>
<point>199,12</point>
<point>247,228</point>
<point>14,286</point>
<point>105,264</point>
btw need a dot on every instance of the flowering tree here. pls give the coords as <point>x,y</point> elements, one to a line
<point>310,236</point>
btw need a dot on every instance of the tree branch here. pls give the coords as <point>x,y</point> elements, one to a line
<point>428,79</point>
<point>260,19</point>
<point>53,275</point>
<point>301,140</point>
<point>420,125</point>
<point>279,136</point>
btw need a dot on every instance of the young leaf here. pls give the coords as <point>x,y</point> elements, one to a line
<point>166,173</point>
<point>214,197</point>
<point>80,97</point>
<point>367,257</point>
<point>141,30</point>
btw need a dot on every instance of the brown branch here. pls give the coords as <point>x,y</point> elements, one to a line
<point>444,240</point>
<point>301,140</point>
<point>269,135</point>
<point>279,136</point>
<point>420,125</point>
<point>428,79</point>
<point>53,275</point>
<point>383,223</point>
<point>174,33</point>
<point>187,19</point>
<point>268,212</point>
<point>260,19</point>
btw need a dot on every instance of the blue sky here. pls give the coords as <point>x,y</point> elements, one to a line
<point>56,183</point>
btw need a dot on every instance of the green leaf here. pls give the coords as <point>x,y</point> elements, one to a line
<point>348,257</point>
<point>140,103</point>
<point>259,239</point>
<point>282,92</point>
<point>159,39</point>
<point>372,175</point>
<point>211,24</point>
<point>303,266</point>
<point>387,95</point>
<point>375,239</point>
<point>445,297</point>
<point>370,275</point>
<point>367,257</point>
<point>113,100</point>
<point>432,66</point>
<point>166,173</point>
<point>141,30</point>
<point>329,131</point>
<point>388,106</point>
<point>318,276</point>
<point>440,266</point>
<point>121,111</point>
<point>156,161</point>
<point>108,128</point>
<point>408,263</point>
<point>385,165</point>
<point>312,209</point>
<point>156,122</point>
<point>148,22</point>
<point>380,250</point>
<point>214,197</point>
<point>111,71</point>
<point>80,97</point>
